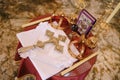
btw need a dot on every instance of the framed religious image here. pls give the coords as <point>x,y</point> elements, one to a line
<point>85,22</point>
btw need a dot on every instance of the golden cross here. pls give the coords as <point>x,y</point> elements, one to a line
<point>41,44</point>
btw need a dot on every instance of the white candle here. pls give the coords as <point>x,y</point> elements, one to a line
<point>113,13</point>
<point>79,63</point>
<point>35,22</point>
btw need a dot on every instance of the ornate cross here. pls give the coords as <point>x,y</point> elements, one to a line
<point>52,39</point>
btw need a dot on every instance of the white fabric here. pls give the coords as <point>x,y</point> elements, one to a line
<point>47,60</point>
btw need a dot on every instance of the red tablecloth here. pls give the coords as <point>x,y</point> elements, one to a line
<point>26,66</point>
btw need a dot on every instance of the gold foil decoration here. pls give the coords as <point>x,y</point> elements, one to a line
<point>40,44</point>
<point>62,38</point>
<point>55,40</point>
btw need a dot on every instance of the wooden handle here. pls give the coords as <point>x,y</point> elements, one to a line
<point>78,63</point>
<point>35,22</point>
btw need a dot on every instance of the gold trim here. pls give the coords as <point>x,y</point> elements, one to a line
<point>79,56</point>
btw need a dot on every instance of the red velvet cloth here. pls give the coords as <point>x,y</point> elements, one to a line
<point>26,66</point>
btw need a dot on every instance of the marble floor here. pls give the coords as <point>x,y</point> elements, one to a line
<point>14,13</point>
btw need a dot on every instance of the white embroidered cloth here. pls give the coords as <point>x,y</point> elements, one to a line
<point>47,60</point>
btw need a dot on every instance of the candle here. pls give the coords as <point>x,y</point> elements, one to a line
<point>113,13</point>
<point>35,22</point>
<point>79,63</point>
